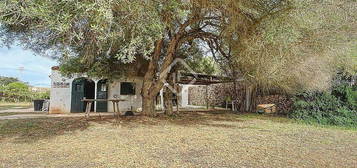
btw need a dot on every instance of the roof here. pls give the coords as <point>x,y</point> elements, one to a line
<point>201,79</point>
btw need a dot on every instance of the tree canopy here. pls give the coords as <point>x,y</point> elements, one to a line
<point>280,43</point>
<point>7,80</point>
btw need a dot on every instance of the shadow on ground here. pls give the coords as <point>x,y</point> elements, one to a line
<point>190,118</point>
<point>30,130</point>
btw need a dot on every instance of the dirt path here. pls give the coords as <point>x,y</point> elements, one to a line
<point>17,110</point>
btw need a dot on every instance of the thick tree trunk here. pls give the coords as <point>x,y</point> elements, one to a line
<point>152,86</point>
<point>148,95</point>
<point>250,98</point>
<point>149,106</point>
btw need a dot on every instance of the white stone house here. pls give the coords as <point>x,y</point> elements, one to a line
<point>67,93</point>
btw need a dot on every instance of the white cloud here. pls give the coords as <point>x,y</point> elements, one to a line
<point>35,68</point>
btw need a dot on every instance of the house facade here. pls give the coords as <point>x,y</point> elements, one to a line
<point>67,93</point>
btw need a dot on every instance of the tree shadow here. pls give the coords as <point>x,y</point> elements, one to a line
<point>31,130</point>
<point>187,119</point>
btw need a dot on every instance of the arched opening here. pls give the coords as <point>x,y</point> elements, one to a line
<point>81,88</point>
<point>102,93</point>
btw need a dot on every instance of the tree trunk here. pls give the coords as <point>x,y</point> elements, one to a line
<point>152,86</point>
<point>148,96</point>
<point>168,102</point>
<point>149,106</point>
<point>248,98</point>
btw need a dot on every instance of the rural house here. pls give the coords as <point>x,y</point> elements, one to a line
<point>67,93</point>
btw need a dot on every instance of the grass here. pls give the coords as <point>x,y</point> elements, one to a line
<point>191,139</point>
<point>11,105</point>
<point>19,113</point>
<point>27,130</point>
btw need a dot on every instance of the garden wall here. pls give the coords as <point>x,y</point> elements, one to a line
<point>217,94</point>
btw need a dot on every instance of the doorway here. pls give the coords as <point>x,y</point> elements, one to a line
<point>102,93</point>
<point>81,88</point>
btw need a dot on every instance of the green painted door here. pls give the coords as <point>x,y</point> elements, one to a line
<point>77,106</point>
<point>102,93</point>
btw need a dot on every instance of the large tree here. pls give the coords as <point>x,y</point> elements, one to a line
<point>299,48</point>
<point>103,32</point>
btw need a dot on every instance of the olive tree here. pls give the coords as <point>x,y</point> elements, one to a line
<point>103,34</point>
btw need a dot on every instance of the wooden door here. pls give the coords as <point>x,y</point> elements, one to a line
<point>77,106</point>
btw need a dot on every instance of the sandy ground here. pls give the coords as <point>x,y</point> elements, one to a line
<point>32,115</point>
<point>201,140</point>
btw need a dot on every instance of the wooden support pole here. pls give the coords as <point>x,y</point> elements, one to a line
<point>207,103</point>
<point>177,98</point>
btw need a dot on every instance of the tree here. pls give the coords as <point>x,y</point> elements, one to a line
<point>17,91</point>
<point>112,32</point>
<point>299,48</point>
<point>7,80</point>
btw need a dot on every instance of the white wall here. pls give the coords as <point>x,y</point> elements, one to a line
<point>185,94</point>
<point>134,101</point>
<point>60,95</point>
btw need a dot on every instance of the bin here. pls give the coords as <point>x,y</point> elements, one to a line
<point>38,104</point>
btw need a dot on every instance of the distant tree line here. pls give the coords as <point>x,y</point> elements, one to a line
<point>14,90</point>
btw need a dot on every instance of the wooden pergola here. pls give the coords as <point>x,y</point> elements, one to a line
<point>199,79</point>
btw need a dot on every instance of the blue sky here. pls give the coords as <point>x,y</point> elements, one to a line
<point>25,65</point>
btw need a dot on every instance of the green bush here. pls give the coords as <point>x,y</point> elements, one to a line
<point>345,94</point>
<point>337,108</point>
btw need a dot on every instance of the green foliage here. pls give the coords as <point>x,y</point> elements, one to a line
<point>202,64</point>
<point>291,44</point>
<point>17,91</point>
<point>325,108</point>
<point>346,95</point>
<point>20,92</point>
<point>299,47</point>
<point>41,95</point>
<point>7,80</point>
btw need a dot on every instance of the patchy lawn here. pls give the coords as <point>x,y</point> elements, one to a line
<point>19,113</point>
<point>193,139</point>
<point>15,106</point>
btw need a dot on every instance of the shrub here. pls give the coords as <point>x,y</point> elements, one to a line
<point>337,108</point>
<point>345,94</point>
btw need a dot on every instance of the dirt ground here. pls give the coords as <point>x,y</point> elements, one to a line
<point>193,139</point>
<point>17,107</point>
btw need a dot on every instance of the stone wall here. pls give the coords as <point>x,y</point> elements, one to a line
<point>217,94</point>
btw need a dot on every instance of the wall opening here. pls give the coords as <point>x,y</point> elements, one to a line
<point>81,88</point>
<point>102,93</point>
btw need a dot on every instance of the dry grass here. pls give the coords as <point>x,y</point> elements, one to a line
<point>10,105</point>
<point>19,113</point>
<point>193,139</point>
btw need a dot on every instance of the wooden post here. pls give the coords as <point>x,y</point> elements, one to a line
<point>118,109</point>
<point>88,107</point>
<point>162,99</point>
<point>177,98</point>
<point>207,103</point>
<point>95,95</point>
<point>114,108</point>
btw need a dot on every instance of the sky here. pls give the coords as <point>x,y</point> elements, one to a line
<point>25,65</point>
